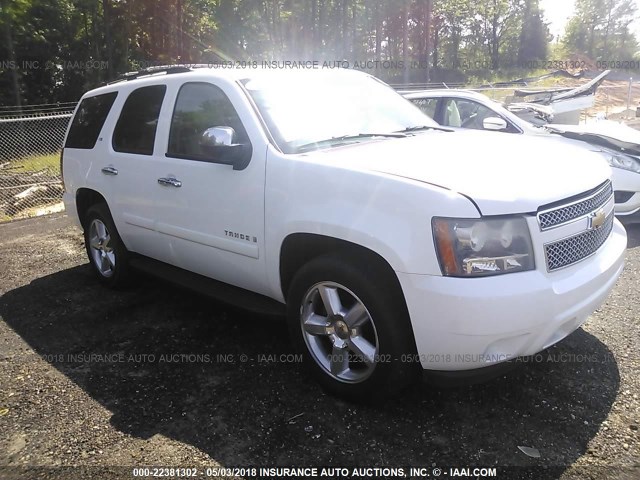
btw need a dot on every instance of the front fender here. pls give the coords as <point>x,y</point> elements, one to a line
<point>388,215</point>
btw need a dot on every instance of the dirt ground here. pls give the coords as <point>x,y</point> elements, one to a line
<point>612,99</point>
<point>155,375</point>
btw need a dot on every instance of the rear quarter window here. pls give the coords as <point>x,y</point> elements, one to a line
<point>88,121</point>
<point>427,105</point>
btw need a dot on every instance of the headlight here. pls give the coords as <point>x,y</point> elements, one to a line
<point>481,247</point>
<point>620,160</point>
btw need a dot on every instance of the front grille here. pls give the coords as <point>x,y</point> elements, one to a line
<point>573,249</point>
<point>566,213</point>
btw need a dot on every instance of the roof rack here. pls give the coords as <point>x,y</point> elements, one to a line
<point>167,69</point>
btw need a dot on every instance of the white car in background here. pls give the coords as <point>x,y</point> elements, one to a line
<point>619,144</point>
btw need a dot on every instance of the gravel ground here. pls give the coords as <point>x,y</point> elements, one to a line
<point>95,378</point>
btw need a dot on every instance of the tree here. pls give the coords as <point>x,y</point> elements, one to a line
<point>534,35</point>
<point>10,11</point>
<point>601,29</point>
<point>454,19</point>
<point>454,38</point>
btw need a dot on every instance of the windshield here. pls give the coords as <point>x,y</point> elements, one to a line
<point>321,110</point>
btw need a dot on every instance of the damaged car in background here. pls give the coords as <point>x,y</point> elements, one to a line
<point>618,144</point>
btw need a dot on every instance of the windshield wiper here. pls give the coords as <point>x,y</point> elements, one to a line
<point>343,139</point>
<point>418,128</point>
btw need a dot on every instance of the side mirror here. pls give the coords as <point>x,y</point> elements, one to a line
<point>219,145</point>
<point>494,123</point>
<point>218,137</point>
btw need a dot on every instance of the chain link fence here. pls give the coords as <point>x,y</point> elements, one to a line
<point>30,142</point>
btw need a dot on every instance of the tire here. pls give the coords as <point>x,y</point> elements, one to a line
<point>351,324</point>
<point>107,254</point>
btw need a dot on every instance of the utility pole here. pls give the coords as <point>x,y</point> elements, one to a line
<point>405,41</point>
<point>427,34</point>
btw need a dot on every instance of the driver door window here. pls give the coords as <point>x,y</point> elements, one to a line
<point>200,106</point>
<point>465,113</point>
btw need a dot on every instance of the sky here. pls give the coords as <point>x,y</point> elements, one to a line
<point>557,12</point>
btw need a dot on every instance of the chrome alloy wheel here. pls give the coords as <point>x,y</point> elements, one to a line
<point>339,332</point>
<point>102,253</point>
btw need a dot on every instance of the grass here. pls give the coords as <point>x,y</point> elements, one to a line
<point>50,162</point>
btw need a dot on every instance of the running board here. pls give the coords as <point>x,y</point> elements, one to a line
<point>225,293</point>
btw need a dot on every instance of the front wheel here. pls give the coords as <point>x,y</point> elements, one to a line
<point>352,326</point>
<point>107,254</point>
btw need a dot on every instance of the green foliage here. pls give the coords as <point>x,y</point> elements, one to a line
<point>79,44</point>
<point>601,29</point>
<point>534,34</point>
<point>49,162</point>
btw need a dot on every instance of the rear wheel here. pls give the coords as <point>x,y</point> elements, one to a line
<point>352,326</point>
<point>107,254</point>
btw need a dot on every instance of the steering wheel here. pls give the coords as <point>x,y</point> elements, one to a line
<point>471,121</point>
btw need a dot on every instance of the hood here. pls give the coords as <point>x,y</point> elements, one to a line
<point>531,112</point>
<point>606,133</point>
<point>501,173</point>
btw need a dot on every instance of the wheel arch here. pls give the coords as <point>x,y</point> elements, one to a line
<point>299,248</point>
<point>85,199</point>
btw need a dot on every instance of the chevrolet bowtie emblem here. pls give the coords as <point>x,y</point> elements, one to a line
<point>596,220</point>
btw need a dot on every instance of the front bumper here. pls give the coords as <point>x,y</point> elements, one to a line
<point>469,323</point>
<point>630,207</point>
<point>629,211</point>
<point>628,182</point>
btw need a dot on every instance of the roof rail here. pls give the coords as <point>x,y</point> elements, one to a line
<point>167,69</point>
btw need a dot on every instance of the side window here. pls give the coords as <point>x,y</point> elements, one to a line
<point>200,106</point>
<point>427,105</point>
<point>467,114</point>
<point>88,121</point>
<point>135,131</point>
<point>451,114</point>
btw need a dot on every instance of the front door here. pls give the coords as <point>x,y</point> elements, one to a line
<point>210,215</point>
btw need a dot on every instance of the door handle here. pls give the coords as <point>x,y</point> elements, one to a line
<point>109,171</point>
<point>170,182</point>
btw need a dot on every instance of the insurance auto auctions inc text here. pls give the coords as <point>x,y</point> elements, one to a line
<point>374,472</point>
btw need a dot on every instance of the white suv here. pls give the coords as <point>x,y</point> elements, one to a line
<point>393,244</point>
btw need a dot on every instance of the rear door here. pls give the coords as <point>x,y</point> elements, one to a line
<point>428,106</point>
<point>132,170</point>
